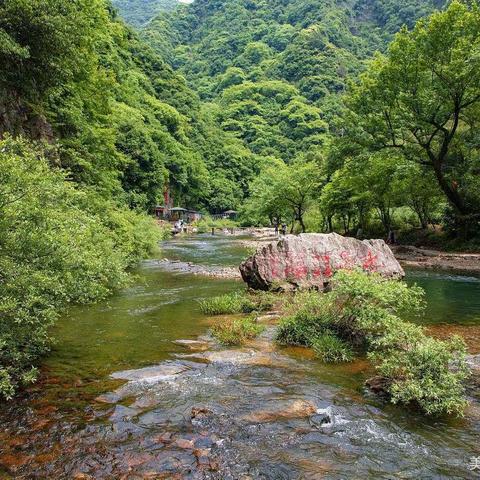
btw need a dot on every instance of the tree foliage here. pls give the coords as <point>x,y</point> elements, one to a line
<point>59,244</point>
<point>138,13</point>
<point>422,99</point>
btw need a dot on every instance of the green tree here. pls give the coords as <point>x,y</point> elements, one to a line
<point>58,245</point>
<point>285,192</point>
<point>422,99</point>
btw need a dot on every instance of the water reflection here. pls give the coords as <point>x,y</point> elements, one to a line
<point>453,299</point>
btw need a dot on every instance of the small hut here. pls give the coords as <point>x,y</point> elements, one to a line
<point>178,213</point>
<point>230,214</point>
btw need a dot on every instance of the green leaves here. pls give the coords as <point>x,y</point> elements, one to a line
<point>58,245</point>
<point>421,99</point>
<point>283,193</point>
<point>364,313</point>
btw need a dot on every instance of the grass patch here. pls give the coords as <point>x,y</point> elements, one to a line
<point>236,331</point>
<point>227,304</point>
<point>363,313</point>
<point>331,349</point>
<point>238,302</point>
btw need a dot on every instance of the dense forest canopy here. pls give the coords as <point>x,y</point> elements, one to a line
<point>279,76</point>
<point>140,12</point>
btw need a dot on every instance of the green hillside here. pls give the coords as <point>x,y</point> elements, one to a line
<point>139,12</point>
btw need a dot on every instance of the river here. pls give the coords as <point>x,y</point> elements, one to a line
<point>135,389</point>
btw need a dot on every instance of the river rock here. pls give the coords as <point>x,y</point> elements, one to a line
<point>297,409</point>
<point>473,361</point>
<point>309,261</point>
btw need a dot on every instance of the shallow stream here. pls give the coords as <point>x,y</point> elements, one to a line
<point>135,388</point>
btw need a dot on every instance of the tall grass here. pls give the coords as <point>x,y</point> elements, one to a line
<point>237,302</point>
<point>236,331</point>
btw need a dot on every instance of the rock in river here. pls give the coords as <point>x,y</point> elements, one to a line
<point>310,260</point>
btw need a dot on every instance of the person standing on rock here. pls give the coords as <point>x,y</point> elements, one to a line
<point>284,229</point>
<point>276,229</point>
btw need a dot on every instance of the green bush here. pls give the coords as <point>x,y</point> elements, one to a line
<point>58,245</point>
<point>363,312</point>
<point>429,373</point>
<point>236,331</point>
<point>309,318</point>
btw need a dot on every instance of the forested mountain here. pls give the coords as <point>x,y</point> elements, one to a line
<point>139,12</point>
<point>277,67</point>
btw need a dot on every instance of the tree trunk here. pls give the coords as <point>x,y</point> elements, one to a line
<point>302,224</point>
<point>451,193</point>
<point>385,217</point>
<point>330,223</point>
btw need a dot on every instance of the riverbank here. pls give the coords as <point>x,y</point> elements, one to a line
<point>414,257</point>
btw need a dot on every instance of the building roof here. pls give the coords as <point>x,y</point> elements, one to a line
<point>231,211</point>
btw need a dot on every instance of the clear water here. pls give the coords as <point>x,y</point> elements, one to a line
<point>202,411</point>
<point>452,299</point>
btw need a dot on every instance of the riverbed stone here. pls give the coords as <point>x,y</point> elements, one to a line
<point>296,409</point>
<point>155,374</point>
<point>309,261</point>
<point>473,361</point>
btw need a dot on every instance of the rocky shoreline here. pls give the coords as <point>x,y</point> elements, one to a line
<point>414,257</point>
<point>177,266</point>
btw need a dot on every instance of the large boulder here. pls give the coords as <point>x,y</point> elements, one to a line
<point>309,261</point>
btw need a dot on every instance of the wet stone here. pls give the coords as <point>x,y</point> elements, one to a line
<point>320,419</point>
<point>184,444</point>
<point>200,412</point>
<point>297,409</point>
<point>154,374</point>
<point>377,385</point>
<point>122,413</point>
<point>195,345</point>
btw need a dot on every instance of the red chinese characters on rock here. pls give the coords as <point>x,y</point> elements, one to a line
<point>310,260</point>
<point>370,262</point>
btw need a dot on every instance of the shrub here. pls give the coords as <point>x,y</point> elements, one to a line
<point>430,373</point>
<point>364,312</point>
<point>310,317</point>
<point>236,331</point>
<point>58,245</point>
